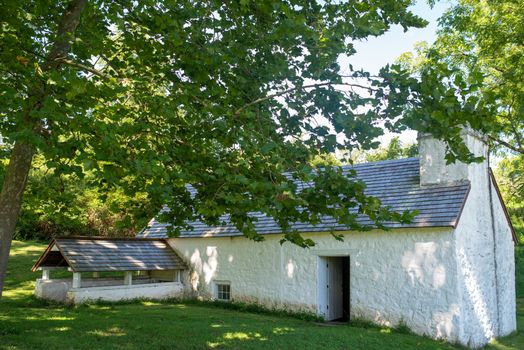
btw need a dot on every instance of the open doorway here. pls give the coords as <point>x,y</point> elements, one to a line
<point>334,288</point>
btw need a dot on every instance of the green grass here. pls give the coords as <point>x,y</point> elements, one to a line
<point>27,323</point>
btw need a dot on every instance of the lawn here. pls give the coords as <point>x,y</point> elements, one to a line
<point>27,323</point>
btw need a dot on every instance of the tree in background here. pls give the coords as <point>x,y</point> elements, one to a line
<point>148,96</point>
<point>473,75</point>
<point>509,173</point>
<point>395,149</point>
<point>66,204</point>
<point>325,159</point>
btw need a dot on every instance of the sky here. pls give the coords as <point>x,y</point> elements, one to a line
<point>375,53</point>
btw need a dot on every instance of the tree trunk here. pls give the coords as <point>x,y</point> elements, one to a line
<point>11,200</point>
<point>22,154</point>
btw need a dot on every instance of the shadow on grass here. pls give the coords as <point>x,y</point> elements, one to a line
<point>148,325</point>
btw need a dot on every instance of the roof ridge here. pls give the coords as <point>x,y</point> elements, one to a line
<point>101,238</point>
<point>366,164</point>
<point>387,161</point>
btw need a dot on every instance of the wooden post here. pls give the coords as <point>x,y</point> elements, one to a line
<point>45,274</point>
<point>77,279</point>
<point>128,278</point>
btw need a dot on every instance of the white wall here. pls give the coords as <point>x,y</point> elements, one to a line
<point>486,287</point>
<point>402,275</point>
<point>55,289</point>
<point>486,268</point>
<point>162,290</point>
<point>453,284</point>
<point>505,250</point>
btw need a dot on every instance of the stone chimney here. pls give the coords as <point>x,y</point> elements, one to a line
<point>433,167</point>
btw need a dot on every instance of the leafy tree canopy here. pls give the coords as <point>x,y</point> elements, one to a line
<point>472,75</point>
<point>151,95</point>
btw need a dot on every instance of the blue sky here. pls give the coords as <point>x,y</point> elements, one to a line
<point>375,53</point>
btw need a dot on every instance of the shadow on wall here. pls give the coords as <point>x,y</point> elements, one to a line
<point>477,312</point>
<point>203,268</point>
<point>425,269</point>
<point>422,264</point>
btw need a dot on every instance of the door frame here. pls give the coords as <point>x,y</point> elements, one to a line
<point>322,283</point>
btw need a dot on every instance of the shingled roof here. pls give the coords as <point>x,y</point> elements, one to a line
<point>92,254</point>
<point>395,182</point>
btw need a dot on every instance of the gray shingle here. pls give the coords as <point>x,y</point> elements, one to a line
<point>396,183</point>
<point>96,254</point>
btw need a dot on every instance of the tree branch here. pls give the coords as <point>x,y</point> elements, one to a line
<point>506,144</point>
<point>83,67</point>
<point>311,86</point>
<point>110,64</point>
<point>512,120</point>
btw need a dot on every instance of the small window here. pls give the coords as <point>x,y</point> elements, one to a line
<point>223,291</point>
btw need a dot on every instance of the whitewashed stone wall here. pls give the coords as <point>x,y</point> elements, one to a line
<point>433,167</point>
<point>107,289</point>
<point>55,290</point>
<point>505,250</point>
<point>157,291</point>
<point>483,243</point>
<point>457,284</point>
<point>398,276</point>
<point>487,287</point>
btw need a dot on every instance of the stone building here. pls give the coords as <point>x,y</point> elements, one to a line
<point>449,274</point>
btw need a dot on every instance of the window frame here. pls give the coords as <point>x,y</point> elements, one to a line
<point>219,294</point>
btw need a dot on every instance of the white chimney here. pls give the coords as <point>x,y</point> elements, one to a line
<point>433,167</point>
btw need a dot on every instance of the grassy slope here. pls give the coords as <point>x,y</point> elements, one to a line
<point>26,323</point>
